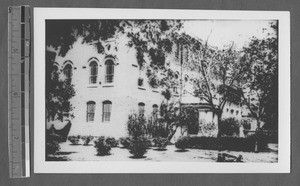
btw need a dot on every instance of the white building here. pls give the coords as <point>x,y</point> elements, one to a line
<point>110,86</point>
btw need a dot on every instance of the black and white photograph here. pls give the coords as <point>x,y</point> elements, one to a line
<point>161,90</point>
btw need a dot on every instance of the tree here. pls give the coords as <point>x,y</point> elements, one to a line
<point>219,75</point>
<point>150,38</point>
<point>260,83</point>
<point>59,91</point>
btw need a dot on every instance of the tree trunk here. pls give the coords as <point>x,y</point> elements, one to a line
<point>258,124</point>
<point>257,129</point>
<point>170,136</point>
<point>219,114</point>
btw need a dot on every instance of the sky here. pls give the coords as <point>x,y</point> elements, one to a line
<point>224,32</point>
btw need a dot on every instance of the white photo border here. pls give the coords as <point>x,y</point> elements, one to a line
<point>284,141</point>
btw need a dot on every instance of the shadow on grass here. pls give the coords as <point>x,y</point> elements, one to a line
<point>87,145</point>
<point>160,149</point>
<point>123,147</point>
<point>181,150</point>
<point>137,157</point>
<point>103,154</point>
<point>54,158</point>
<point>75,144</point>
<point>64,153</point>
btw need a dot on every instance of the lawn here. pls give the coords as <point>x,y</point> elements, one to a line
<point>69,152</point>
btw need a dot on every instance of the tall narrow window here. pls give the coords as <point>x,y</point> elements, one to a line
<point>93,72</point>
<point>90,113</point>
<point>141,108</point>
<point>109,76</point>
<point>106,111</point>
<point>68,71</point>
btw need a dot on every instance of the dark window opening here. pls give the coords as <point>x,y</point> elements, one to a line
<point>141,108</point>
<point>109,77</point>
<point>93,72</point>
<point>90,111</point>
<point>68,71</point>
<point>106,111</point>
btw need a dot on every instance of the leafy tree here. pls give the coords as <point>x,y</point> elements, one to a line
<point>150,38</point>
<point>59,91</point>
<point>219,74</point>
<point>260,83</point>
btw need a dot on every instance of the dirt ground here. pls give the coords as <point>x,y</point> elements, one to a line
<point>69,152</point>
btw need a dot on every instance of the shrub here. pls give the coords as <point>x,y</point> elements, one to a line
<point>156,128</point>
<point>225,143</point>
<point>160,142</point>
<point>52,143</point>
<point>203,142</point>
<point>102,147</point>
<point>74,139</point>
<point>87,139</point>
<point>136,125</point>
<point>246,124</point>
<point>112,142</point>
<point>138,146</point>
<point>262,138</point>
<point>229,127</point>
<point>208,129</point>
<point>125,142</point>
<point>182,143</point>
<point>191,120</point>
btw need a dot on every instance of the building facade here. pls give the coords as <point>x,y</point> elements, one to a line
<point>112,85</point>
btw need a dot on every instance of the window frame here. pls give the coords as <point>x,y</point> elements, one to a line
<point>93,64</point>
<point>109,77</point>
<point>106,111</point>
<point>141,108</point>
<point>68,72</point>
<point>90,113</point>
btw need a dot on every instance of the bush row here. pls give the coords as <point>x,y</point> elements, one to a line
<point>87,139</point>
<point>224,143</point>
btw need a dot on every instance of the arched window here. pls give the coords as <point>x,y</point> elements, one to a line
<point>141,108</point>
<point>93,72</point>
<point>155,111</point>
<point>106,111</point>
<point>54,74</point>
<point>109,75</point>
<point>90,111</point>
<point>67,71</point>
<point>155,108</point>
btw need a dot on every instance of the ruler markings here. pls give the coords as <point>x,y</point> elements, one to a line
<point>18,59</point>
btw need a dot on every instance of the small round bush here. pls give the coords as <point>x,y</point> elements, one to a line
<point>138,146</point>
<point>87,139</point>
<point>112,142</point>
<point>182,143</point>
<point>229,127</point>
<point>125,142</point>
<point>52,143</point>
<point>74,139</point>
<point>160,142</point>
<point>102,147</point>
